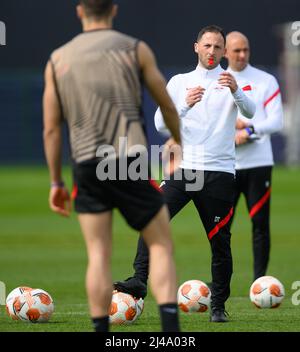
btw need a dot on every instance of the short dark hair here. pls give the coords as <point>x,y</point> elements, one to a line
<point>97,8</point>
<point>212,29</point>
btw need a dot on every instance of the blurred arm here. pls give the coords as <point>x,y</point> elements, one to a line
<point>156,85</point>
<point>59,199</point>
<point>158,117</point>
<point>52,127</point>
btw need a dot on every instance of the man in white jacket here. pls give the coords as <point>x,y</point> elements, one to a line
<point>254,157</point>
<point>208,100</point>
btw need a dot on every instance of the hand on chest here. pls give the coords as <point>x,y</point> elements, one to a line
<point>214,100</point>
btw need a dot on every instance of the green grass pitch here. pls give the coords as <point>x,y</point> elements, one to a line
<point>40,249</point>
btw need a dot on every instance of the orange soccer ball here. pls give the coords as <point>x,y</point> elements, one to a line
<point>193,296</point>
<point>267,292</point>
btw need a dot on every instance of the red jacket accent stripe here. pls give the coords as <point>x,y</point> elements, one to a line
<point>256,208</point>
<point>155,185</point>
<point>271,97</point>
<point>221,224</point>
<point>247,88</point>
<point>74,192</point>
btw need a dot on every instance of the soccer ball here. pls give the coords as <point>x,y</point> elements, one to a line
<point>193,296</point>
<point>267,292</point>
<point>35,306</point>
<point>123,309</point>
<point>12,298</point>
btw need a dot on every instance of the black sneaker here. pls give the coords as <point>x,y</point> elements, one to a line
<point>133,286</point>
<point>219,315</point>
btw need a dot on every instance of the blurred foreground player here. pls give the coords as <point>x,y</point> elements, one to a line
<point>94,81</point>
<point>254,157</point>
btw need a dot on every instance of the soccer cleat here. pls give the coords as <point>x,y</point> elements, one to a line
<point>133,286</point>
<point>219,315</point>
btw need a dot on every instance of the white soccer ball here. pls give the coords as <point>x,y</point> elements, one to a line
<point>267,292</point>
<point>123,309</point>
<point>35,306</point>
<point>193,296</point>
<point>11,301</point>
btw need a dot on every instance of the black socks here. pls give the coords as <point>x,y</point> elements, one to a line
<point>101,324</point>
<point>169,317</point>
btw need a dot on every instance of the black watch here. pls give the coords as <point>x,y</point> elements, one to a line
<point>250,129</point>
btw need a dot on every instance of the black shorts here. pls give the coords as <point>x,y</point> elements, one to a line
<point>138,201</point>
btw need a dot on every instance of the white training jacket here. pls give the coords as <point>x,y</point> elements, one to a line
<point>267,119</point>
<point>208,128</point>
